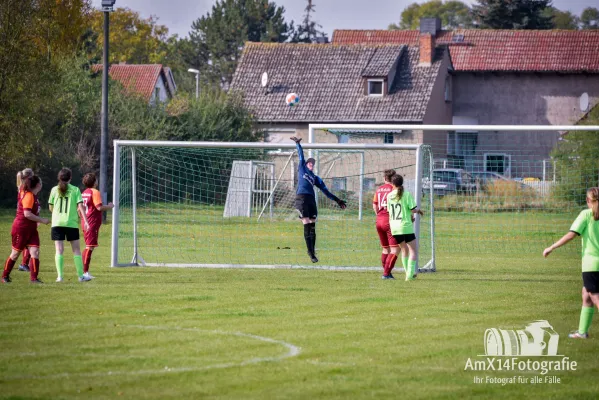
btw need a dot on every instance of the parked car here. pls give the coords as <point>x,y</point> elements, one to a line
<point>485,177</point>
<point>451,181</point>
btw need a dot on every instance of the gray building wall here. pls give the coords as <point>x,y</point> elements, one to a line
<point>521,99</point>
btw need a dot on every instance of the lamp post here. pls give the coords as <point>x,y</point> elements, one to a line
<point>197,72</point>
<point>107,8</point>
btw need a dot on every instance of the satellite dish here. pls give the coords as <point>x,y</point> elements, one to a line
<point>264,79</point>
<point>584,102</point>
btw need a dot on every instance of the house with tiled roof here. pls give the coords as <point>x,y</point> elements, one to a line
<point>152,82</point>
<point>525,77</point>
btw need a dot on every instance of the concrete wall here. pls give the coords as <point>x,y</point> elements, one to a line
<point>439,110</point>
<point>522,99</point>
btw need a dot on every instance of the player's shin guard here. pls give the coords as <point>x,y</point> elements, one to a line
<point>34,268</point>
<point>390,264</point>
<point>313,236</point>
<point>59,260</point>
<point>26,257</point>
<point>384,260</point>
<point>308,238</point>
<point>78,265</point>
<point>87,257</point>
<point>410,270</point>
<point>8,265</point>
<point>586,316</point>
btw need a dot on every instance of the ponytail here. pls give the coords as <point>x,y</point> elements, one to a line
<point>64,176</point>
<point>22,175</point>
<point>397,181</point>
<point>593,196</point>
<point>31,183</point>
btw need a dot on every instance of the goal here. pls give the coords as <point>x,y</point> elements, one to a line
<point>231,205</point>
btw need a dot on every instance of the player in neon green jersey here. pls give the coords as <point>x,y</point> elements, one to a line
<point>587,226</point>
<point>65,200</point>
<point>402,207</point>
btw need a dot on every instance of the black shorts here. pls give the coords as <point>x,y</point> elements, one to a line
<point>60,232</point>
<point>590,280</point>
<point>306,205</point>
<point>404,238</point>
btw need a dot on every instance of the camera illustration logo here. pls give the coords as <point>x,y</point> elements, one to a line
<point>537,339</point>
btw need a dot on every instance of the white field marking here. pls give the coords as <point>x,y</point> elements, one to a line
<point>292,352</point>
<point>259,266</point>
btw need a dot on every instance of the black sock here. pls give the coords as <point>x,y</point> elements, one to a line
<point>308,238</point>
<point>313,236</point>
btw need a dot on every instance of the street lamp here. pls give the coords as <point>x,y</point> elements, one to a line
<point>197,72</point>
<point>107,8</point>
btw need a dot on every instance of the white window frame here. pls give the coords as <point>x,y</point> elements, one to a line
<point>507,169</point>
<point>382,82</point>
<point>286,131</point>
<point>334,183</point>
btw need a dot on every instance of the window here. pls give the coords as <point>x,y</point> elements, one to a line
<point>448,88</point>
<point>388,137</point>
<point>282,136</point>
<point>375,87</point>
<point>369,184</point>
<point>157,93</point>
<point>343,139</point>
<point>498,162</point>
<point>462,143</point>
<point>339,184</point>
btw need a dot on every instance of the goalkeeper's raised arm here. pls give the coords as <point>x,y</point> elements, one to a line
<point>305,199</point>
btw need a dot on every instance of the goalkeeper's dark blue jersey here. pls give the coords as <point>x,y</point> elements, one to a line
<point>307,179</point>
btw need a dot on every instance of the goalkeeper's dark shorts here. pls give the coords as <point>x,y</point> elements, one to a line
<point>306,205</point>
<point>590,281</point>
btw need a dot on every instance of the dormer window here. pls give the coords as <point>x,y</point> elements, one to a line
<point>376,87</point>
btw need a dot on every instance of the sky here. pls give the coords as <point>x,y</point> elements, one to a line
<point>178,15</point>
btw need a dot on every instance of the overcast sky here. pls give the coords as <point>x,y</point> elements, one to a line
<point>178,15</point>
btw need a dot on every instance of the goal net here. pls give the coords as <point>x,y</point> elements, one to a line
<point>213,204</point>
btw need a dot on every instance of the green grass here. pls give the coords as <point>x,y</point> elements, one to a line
<point>161,333</point>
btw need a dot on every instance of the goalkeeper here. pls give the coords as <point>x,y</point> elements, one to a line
<point>305,199</point>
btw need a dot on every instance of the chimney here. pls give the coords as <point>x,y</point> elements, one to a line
<point>428,31</point>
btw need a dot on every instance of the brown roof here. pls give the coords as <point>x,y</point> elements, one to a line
<point>329,80</point>
<point>136,78</point>
<point>499,50</point>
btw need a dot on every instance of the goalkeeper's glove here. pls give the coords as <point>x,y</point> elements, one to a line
<point>342,204</point>
<point>296,140</point>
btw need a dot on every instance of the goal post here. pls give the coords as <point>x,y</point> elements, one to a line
<point>171,200</point>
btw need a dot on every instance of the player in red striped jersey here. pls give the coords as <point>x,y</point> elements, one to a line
<point>388,243</point>
<point>21,176</point>
<point>92,203</point>
<point>24,230</point>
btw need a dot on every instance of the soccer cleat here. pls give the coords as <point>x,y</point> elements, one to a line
<point>385,277</point>
<point>578,335</point>
<point>391,275</point>
<point>84,278</point>
<point>24,268</point>
<point>89,275</point>
<point>312,257</point>
<point>6,279</point>
<point>36,281</point>
<point>59,279</point>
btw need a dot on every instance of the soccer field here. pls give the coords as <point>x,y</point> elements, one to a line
<point>161,333</point>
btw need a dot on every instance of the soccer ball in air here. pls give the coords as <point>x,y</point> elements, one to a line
<point>292,99</point>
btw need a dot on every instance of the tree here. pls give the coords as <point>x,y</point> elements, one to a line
<point>453,14</point>
<point>590,18</point>
<point>576,161</point>
<point>218,37</point>
<point>132,39</point>
<point>307,31</point>
<point>512,14</point>
<point>562,19</point>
